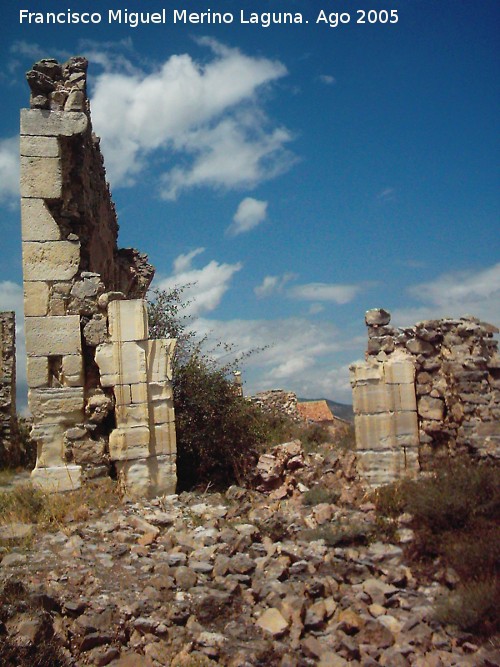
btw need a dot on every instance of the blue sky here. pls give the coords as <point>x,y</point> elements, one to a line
<point>297,174</point>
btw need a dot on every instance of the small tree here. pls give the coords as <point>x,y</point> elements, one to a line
<point>218,432</point>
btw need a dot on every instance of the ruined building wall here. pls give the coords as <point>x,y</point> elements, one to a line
<point>9,443</point>
<point>93,375</point>
<point>443,400</point>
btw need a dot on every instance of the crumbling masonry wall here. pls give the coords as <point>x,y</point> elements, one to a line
<point>9,442</point>
<point>425,392</point>
<point>99,391</point>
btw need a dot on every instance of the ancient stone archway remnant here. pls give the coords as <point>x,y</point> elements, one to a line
<point>100,391</point>
<point>9,442</point>
<point>424,392</point>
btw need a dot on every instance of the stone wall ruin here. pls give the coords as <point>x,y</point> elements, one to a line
<point>9,442</point>
<point>100,391</point>
<point>423,393</point>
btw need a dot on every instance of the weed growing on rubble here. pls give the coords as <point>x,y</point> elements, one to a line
<point>320,494</point>
<point>29,505</point>
<point>455,517</point>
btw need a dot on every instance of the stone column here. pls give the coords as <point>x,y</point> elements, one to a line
<point>9,441</point>
<point>386,424</point>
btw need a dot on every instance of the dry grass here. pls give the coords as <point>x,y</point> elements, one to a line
<point>28,505</point>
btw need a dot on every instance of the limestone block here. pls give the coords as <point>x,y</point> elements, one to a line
<point>121,363</point>
<point>41,177</point>
<point>163,439</point>
<point>52,260</point>
<point>361,372</point>
<point>139,392</point>
<point>129,443</point>
<point>123,395</point>
<point>385,430</point>
<point>37,222</point>
<point>37,369</point>
<point>52,123</point>
<point>136,414</point>
<point>128,320</point>
<point>162,411</point>
<point>380,468</point>
<point>53,336</point>
<point>33,146</point>
<point>431,408</point>
<point>72,369</point>
<point>148,477</point>
<point>61,405</point>
<point>50,443</point>
<point>377,317</point>
<point>403,397</point>
<point>371,398</point>
<point>160,391</point>
<point>399,372</point>
<point>57,478</point>
<point>159,355</point>
<point>36,299</point>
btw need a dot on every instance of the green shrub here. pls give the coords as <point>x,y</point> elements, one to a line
<point>472,607</point>
<point>218,432</point>
<point>340,535</point>
<point>320,494</point>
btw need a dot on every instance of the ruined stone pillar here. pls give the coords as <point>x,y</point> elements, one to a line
<point>9,441</point>
<point>99,391</point>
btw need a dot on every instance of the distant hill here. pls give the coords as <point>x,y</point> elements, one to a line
<point>341,410</point>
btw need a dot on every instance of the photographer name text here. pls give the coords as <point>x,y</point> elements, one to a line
<point>209,17</point>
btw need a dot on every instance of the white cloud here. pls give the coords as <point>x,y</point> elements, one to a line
<point>387,194</point>
<point>249,214</point>
<point>456,294</point>
<point>205,286</point>
<point>327,79</point>
<point>325,292</point>
<point>9,169</point>
<point>207,114</point>
<point>300,356</point>
<point>316,308</point>
<point>273,285</point>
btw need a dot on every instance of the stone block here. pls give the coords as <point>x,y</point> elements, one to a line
<point>386,430</point>
<point>128,320</point>
<point>129,443</point>
<point>139,393</point>
<point>163,439</point>
<point>121,363</point>
<point>36,299</point>
<point>37,222</point>
<point>160,391</point>
<point>41,177</point>
<point>148,477</point>
<point>37,369</point>
<point>162,411</point>
<point>371,398</point>
<point>53,336</point>
<point>123,395</point>
<point>50,444</point>
<point>52,123</point>
<point>61,405</point>
<point>399,371</point>
<point>134,414</point>
<point>402,397</point>
<point>431,408</point>
<point>362,372</point>
<point>57,478</point>
<point>379,468</point>
<point>72,369</point>
<point>159,354</point>
<point>33,146</point>
<point>52,260</point>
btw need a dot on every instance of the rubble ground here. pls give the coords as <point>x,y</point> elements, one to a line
<point>291,573</point>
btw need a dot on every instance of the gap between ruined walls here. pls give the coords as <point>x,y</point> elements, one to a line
<point>423,394</point>
<point>99,390</point>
